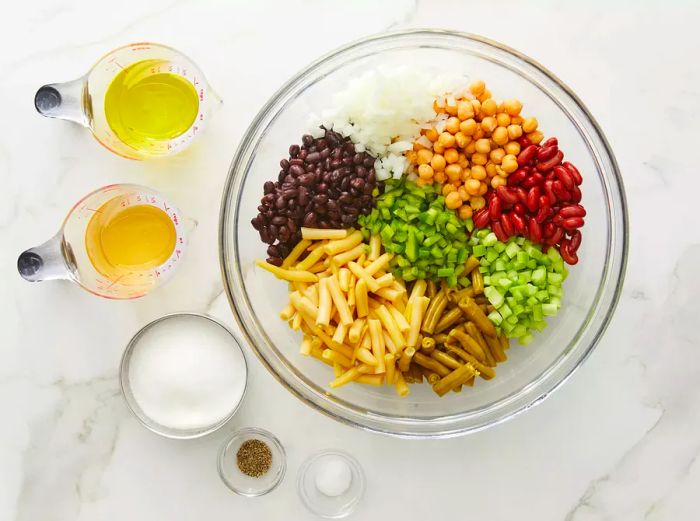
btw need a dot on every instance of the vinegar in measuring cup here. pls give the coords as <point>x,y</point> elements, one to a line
<point>146,103</point>
<point>122,241</point>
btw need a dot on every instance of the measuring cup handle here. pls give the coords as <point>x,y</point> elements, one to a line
<point>44,262</point>
<point>67,100</point>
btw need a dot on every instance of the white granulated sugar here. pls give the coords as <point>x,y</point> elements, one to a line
<point>186,372</point>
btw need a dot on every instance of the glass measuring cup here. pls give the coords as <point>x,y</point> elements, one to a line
<point>84,100</point>
<point>75,253</point>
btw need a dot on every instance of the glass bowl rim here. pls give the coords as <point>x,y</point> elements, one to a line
<point>603,311</point>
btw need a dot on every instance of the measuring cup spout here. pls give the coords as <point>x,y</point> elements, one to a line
<point>69,100</point>
<point>44,262</point>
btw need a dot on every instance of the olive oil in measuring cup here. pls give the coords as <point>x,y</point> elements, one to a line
<point>119,242</point>
<point>140,101</point>
<point>146,103</point>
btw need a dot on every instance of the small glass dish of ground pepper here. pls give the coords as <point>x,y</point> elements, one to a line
<point>252,462</point>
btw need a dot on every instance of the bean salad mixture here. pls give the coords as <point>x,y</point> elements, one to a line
<point>421,225</point>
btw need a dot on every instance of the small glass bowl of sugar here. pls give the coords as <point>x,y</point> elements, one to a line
<point>183,375</point>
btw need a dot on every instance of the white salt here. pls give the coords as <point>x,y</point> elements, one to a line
<point>187,372</point>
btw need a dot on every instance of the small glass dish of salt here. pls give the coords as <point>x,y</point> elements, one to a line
<point>331,483</point>
<point>183,375</point>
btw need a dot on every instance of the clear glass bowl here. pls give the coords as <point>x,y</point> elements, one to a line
<point>241,483</point>
<point>531,373</point>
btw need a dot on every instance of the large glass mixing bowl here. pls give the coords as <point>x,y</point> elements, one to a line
<point>531,373</point>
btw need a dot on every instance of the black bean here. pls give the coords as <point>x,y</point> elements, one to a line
<point>325,153</point>
<point>320,199</point>
<point>357,159</point>
<point>310,219</point>
<point>368,162</point>
<point>277,261</point>
<point>284,234</point>
<point>284,164</point>
<point>358,183</point>
<point>296,170</point>
<point>279,221</point>
<point>290,193</point>
<point>361,171</point>
<point>273,251</point>
<point>307,179</point>
<point>294,150</point>
<point>280,202</point>
<point>303,198</point>
<point>349,148</point>
<point>302,154</point>
<point>307,140</point>
<point>296,161</point>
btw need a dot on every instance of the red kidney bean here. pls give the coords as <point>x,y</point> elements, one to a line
<point>572,211</point>
<point>572,223</point>
<point>546,166</point>
<point>500,233</point>
<point>545,210</point>
<point>556,236</point>
<point>575,239</point>
<point>506,194</point>
<point>522,194</point>
<point>535,230</point>
<point>546,153</point>
<point>527,155</point>
<point>566,253</point>
<point>519,208</point>
<point>532,201</point>
<point>518,222</point>
<point>524,142</point>
<point>517,177</point>
<point>549,192</point>
<point>534,180</point>
<point>551,142</point>
<point>560,192</point>
<point>494,208</point>
<point>575,194</point>
<point>573,171</point>
<point>564,176</point>
<point>481,218</point>
<point>507,224</point>
<point>548,230</point>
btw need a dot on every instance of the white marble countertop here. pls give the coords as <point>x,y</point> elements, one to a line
<point>620,441</point>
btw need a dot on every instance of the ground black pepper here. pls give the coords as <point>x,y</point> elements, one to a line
<point>254,458</point>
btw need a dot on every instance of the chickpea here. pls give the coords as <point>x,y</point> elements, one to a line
<point>483,188</point>
<point>497,155</point>
<point>437,108</point>
<point>453,200</point>
<point>465,110</point>
<point>535,137</point>
<point>468,127</point>
<point>463,193</point>
<point>509,164</point>
<point>477,87</point>
<point>516,120</point>
<point>451,155</point>
<point>411,156</point>
<point>448,188</point>
<point>438,148</point>
<point>499,171</point>
<point>431,134</point>
<point>452,125</point>
<point>476,105</point>
<point>479,158</point>
<point>470,148</point>
<point>461,140</point>
<point>417,146</point>
<point>502,119</point>
<point>500,135</point>
<point>451,109</point>
<point>488,124</point>
<point>438,163</point>
<point>512,106</point>
<point>466,174</point>
<point>446,140</point>
<point>483,146</point>
<point>491,169</point>
<point>484,95</point>
<point>463,161</point>
<point>425,172</point>
<point>439,177</point>
<point>477,203</point>
<point>512,148</point>
<point>478,172</point>
<point>488,107</point>
<point>423,182</point>
<point>497,181</point>
<point>424,156</point>
<point>465,212</point>
<point>529,125</point>
<point>514,131</point>
<point>479,133</point>
<point>453,172</point>
<point>472,186</point>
